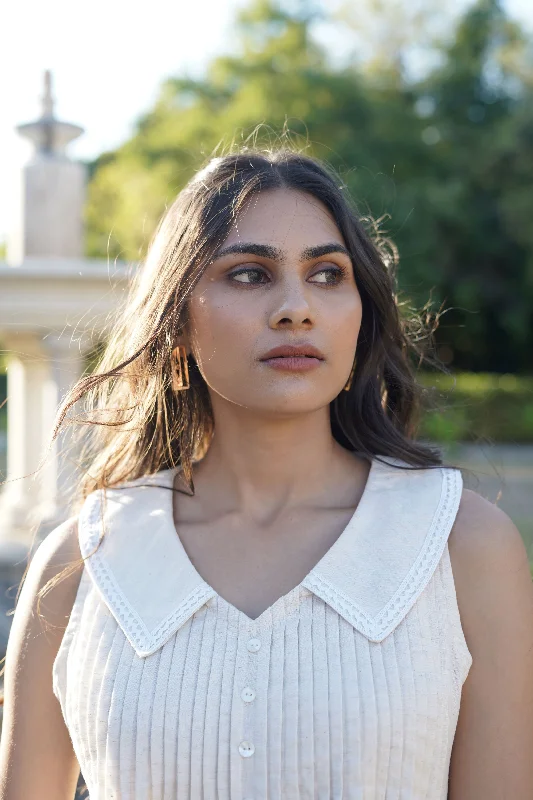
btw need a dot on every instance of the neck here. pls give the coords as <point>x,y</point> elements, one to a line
<point>285,458</point>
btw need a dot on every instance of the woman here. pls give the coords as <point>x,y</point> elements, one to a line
<point>265,605</point>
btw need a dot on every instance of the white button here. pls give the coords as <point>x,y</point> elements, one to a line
<point>248,694</point>
<point>253,645</point>
<point>246,749</point>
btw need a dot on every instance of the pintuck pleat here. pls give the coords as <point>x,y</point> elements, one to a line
<point>263,718</point>
<point>306,716</point>
<point>332,714</point>
<point>313,700</point>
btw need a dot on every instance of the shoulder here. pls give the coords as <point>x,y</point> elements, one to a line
<point>60,543</point>
<point>492,577</point>
<point>57,549</point>
<point>33,725</point>
<point>484,537</point>
<point>47,571</point>
<point>492,746</point>
<point>44,604</point>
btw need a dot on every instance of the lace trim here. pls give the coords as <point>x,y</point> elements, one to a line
<point>376,629</point>
<point>416,580</point>
<point>142,640</point>
<point>186,609</point>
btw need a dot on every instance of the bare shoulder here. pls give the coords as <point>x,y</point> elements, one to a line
<point>480,520</point>
<point>42,616</point>
<point>59,550</point>
<point>489,561</point>
<point>60,543</point>
<point>33,729</point>
<point>495,598</point>
<point>484,538</point>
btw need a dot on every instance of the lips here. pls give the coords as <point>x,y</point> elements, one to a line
<point>294,351</point>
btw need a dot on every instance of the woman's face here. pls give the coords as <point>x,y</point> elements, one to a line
<point>281,288</point>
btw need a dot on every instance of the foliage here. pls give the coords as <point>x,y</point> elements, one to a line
<point>447,160</point>
<point>477,406</point>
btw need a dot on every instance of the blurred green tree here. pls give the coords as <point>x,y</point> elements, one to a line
<point>446,158</point>
<point>481,262</point>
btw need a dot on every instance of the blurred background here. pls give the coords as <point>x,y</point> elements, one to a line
<point>426,110</point>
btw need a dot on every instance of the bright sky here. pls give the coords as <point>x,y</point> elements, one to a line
<point>108,60</point>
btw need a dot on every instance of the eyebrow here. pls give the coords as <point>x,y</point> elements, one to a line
<point>276,254</point>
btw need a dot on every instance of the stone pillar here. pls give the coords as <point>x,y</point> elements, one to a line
<point>66,368</point>
<point>27,373</point>
<point>51,204</point>
<point>39,373</point>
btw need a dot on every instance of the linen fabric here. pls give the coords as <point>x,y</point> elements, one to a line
<point>346,688</point>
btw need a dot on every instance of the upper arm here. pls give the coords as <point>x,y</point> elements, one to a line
<point>492,756</point>
<point>36,755</point>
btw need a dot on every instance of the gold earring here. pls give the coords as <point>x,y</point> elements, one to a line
<point>179,368</point>
<point>349,381</point>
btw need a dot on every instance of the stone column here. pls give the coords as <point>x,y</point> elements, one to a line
<point>27,373</point>
<point>38,375</point>
<point>67,363</point>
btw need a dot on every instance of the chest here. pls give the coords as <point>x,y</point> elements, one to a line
<point>253,568</point>
<point>299,706</point>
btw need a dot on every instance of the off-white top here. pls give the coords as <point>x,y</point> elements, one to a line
<point>346,687</point>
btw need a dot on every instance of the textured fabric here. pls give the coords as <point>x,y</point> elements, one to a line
<point>346,688</point>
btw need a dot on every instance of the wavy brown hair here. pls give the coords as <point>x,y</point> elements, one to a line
<point>139,425</point>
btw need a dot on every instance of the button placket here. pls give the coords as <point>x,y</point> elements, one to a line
<point>246,749</point>
<point>253,645</point>
<point>248,694</point>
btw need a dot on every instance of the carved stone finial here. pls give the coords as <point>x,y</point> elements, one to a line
<point>47,98</point>
<point>49,135</point>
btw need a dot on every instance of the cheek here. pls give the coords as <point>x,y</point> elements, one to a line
<point>346,321</point>
<point>221,327</point>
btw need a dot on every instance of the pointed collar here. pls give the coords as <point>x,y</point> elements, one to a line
<point>371,575</point>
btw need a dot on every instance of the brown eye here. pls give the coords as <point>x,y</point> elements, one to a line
<point>250,276</point>
<point>336,274</point>
<point>255,271</point>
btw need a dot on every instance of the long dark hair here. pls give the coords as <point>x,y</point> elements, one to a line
<point>140,425</point>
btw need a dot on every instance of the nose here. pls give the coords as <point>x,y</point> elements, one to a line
<point>292,305</point>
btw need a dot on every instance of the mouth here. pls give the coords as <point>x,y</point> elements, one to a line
<point>303,350</point>
<point>300,363</point>
<point>300,357</point>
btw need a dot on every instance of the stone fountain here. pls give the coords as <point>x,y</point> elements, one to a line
<point>55,305</point>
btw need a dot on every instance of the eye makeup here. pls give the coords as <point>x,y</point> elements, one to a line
<point>337,270</point>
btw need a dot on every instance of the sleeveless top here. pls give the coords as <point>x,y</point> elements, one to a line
<point>346,688</point>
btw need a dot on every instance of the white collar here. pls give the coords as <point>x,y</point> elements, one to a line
<point>371,576</point>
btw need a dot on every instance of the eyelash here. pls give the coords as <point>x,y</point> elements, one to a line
<point>340,271</point>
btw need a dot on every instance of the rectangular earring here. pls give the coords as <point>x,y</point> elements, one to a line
<point>348,385</point>
<point>179,368</point>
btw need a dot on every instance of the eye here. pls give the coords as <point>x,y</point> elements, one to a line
<point>246,271</point>
<point>337,274</point>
